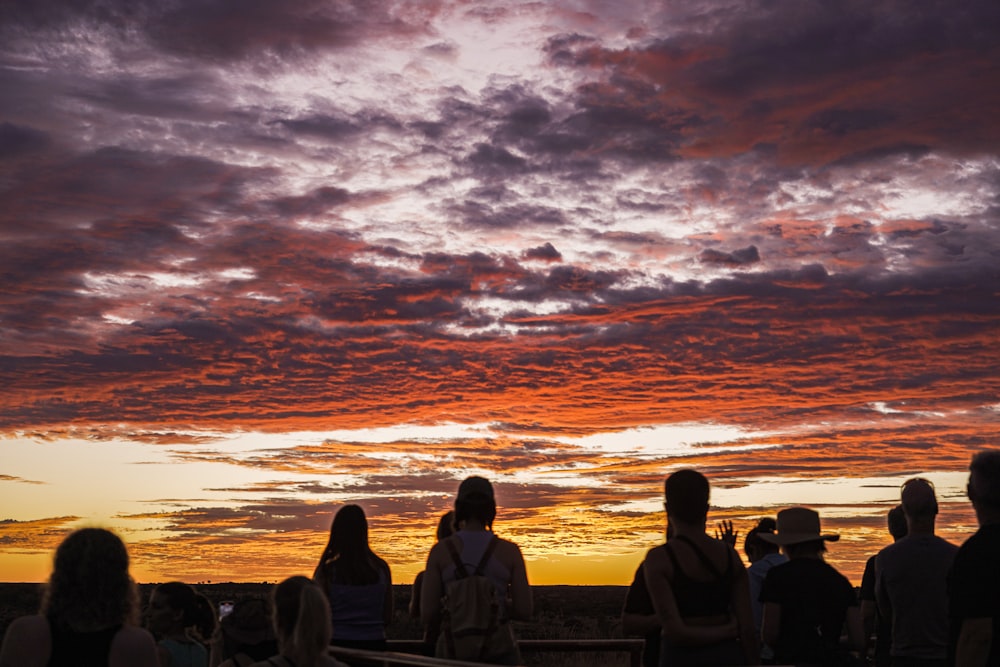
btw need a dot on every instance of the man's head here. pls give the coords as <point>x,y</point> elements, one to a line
<point>984,485</point>
<point>918,499</point>
<point>897,522</point>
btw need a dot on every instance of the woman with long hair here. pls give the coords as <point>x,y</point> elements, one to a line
<point>302,625</point>
<point>175,615</point>
<point>357,583</point>
<point>89,613</point>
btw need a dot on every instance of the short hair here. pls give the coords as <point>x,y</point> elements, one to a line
<point>686,493</point>
<point>476,506</point>
<point>918,498</point>
<point>984,478</point>
<point>896,519</point>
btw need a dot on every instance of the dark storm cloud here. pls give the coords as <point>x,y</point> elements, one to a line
<point>824,81</point>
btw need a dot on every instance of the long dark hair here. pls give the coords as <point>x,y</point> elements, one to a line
<point>347,558</point>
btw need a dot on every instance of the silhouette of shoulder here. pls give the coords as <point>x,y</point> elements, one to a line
<point>28,642</point>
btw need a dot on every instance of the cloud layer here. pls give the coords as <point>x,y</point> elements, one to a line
<point>556,219</point>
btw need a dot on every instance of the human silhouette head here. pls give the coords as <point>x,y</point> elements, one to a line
<point>686,493</point>
<point>174,607</point>
<point>919,504</point>
<point>445,525</point>
<point>348,532</point>
<point>798,533</point>
<point>249,629</point>
<point>984,486</point>
<point>755,547</point>
<point>475,501</point>
<point>896,520</point>
<point>302,620</point>
<point>90,587</point>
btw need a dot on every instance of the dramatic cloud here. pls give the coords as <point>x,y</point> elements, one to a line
<point>549,224</point>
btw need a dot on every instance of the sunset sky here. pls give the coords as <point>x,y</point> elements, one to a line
<point>261,259</point>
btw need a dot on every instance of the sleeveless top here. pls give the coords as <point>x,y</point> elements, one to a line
<point>358,612</point>
<point>185,654</point>
<point>696,597</point>
<point>474,543</point>
<point>80,649</point>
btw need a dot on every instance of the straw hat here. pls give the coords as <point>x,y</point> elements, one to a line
<point>797,525</point>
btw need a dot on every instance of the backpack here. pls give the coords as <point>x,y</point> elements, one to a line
<point>471,628</point>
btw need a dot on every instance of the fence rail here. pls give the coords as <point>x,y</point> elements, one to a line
<point>397,654</point>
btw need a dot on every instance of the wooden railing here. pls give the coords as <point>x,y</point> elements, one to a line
<point>399,655</point>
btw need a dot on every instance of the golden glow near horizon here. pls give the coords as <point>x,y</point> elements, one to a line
<point>256,507</point>
<point>259,260</point>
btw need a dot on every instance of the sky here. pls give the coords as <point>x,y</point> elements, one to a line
<point>263,259</point>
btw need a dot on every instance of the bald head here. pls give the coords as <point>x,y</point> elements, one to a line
<point>918,500</point>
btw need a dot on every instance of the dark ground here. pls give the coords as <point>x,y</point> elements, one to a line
<point>561,612</point>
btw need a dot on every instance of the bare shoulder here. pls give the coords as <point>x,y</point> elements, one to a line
<point>133,647</point>
<point>656,558</point>
<point>508,552</point>
<point>27,643</point>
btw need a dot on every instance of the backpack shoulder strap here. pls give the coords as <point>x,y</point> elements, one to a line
<point>481,567</point>
<point>456,558</point>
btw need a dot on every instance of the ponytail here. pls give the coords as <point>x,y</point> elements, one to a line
<point>302,618</point>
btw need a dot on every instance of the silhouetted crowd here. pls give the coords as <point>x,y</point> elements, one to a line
<point>923,601</point>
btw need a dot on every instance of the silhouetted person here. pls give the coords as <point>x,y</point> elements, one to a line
<point>910,583</point>
<point>173,616</point>
<point>89,611</point>
<point>806,601</point>
<point>445,528</point>
<point>974,583</point>
<point>302,624</point>
<point>245,635</point>
<point>698,585</point>
<point>873,621</point>
<point>472,544</point>
<point>763,556</point>
<point>357,583</point>
<point>639,618</point>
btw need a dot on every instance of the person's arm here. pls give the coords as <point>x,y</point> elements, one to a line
<point>521,602</point>
<point>740,602</point>
<point>638,615</point>
<point>855,629</point>
<point>414,607</point>
<point>133,647</point>
<point>770,626</point>
<point>387,605</point>
<point>868,606</point>
<point>975,639</point>
<point>432,588</point>
<point>27,643</point>
<point>674,627</point>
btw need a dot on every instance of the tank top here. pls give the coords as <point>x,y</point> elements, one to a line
<point>358,611</point>
<point>80,649</point>
<point>696,597</point>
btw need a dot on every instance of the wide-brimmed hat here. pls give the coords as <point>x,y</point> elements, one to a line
<point>475,486</point>
<point>797,525</point>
